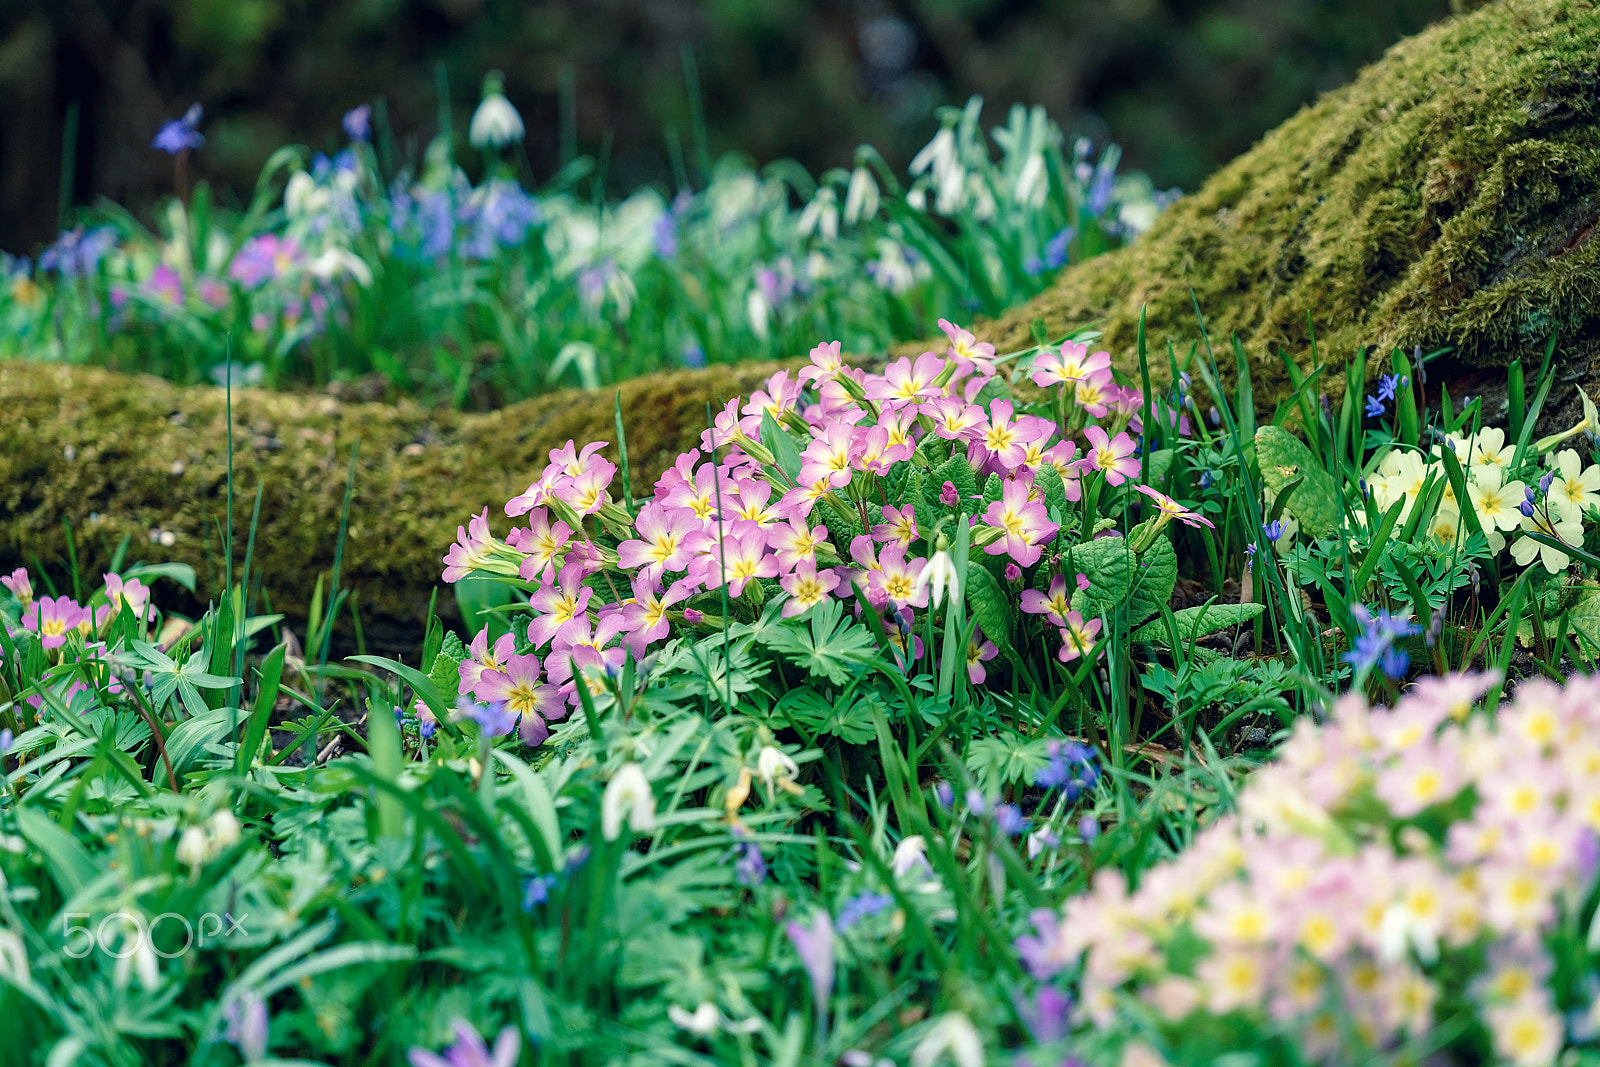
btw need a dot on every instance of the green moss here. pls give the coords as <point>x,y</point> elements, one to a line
<point>122,455</point>
<point>1449,196</point>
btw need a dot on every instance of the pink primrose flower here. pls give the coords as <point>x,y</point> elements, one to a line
<point>1053,605</point>
<point>55,617</point>
<point>796,543</point>
<point>895,579</point>
<point>565,461</point>
<point>1005,437</point>
<point>542,540</point>
<point>979,651</point>
<point>560,605</point>
<point>956,420</point>
<point>1113,456</point>
<point>876,454</point>
<point>905,382</point>
<point>21,588</point>
<point>1024,522</point>
<point>1069,363</point>
<point>586,493</point>
<point>1169,509</point>
<point>899,525</point>
<point>134,593</point>
<point>483,658</point>
<point>826,363</point>
<point>471,550</point>
<point>1094,394</point>
<point>643,618</point>
<point>830,456</point>
<point>966,347</point>
<point>807,587</point>
<point>1077,637</point>
<point>663,543</point>
<point>1061,456</point>
<point>518,685</point>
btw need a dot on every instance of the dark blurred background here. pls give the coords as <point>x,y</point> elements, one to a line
<point>1183,85</point>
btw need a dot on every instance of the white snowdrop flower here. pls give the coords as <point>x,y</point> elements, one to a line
<point>497,122</point>
<point>336,262</point>
<point>13,958</point>
<point>861,199</point>
<point>776,766</point>
<point>703,1020</point>
<point>821,215</point>
<point>760,312</point>
<point>909,855</point>
<point>1031,186</point>
<point>939,574</point>
<point>628,797</point>
<point>224,830</point>
<point>952,1037</point>
<point>941,151</point>
<point>193,848</point>
<point>303,198</point>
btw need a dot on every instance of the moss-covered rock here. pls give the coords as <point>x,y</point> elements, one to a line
<point>1449,196</point>
<point>117,455</point>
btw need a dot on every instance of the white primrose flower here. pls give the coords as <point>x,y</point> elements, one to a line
<point>628,798</point>
<point>1576,488</point>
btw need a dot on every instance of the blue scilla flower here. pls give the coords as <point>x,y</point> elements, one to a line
<point>861,906</point>
<point>1273,530</point>
<point>180,135</point>
<point>537,891</point>
<point>358,123</point>
<point>1387,385</point>
<point>1375,646</point>
<point>77,253</point>
<point>1250,556</point>
<point>1009,820</point>
<point>1057,248</point>
<point>1375,407</point>
<point>1072,769</point>
<point>1033,266</point>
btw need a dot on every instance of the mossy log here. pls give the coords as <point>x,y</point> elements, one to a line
<point>1449,196</point>
<point>115,455</point>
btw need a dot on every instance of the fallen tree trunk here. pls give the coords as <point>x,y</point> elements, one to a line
<point>116,455</point>
<point>1449,196</point>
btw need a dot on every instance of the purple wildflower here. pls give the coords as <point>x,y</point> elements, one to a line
<point>358,123</point>
<point>470,1050</point>
<point>862,906</point>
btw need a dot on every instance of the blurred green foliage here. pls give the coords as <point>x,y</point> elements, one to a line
<point>1183,85</point>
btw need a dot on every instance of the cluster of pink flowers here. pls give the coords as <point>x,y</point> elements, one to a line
<point>732,512</point>
<point>55,618</point>
<point>1387,863</point>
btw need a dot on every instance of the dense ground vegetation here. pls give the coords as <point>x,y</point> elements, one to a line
<point>1012,704</point>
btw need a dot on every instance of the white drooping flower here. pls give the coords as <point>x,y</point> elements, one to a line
<point>497,122</point>
<point>952,1038</point>
<point>335,263</point>
<point>628,798</point>
<point>861,199</point>
<point>821,215</point>
<point>777,767</point>
<point>939,574</point>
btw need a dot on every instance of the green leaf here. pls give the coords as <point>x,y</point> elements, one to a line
<point>446,672</point>
<point>992,489</point>
<point>987,603</point>
<point>1197,622</point>
<point>271,671</point>
<point>851,721</point>
<point>781,445</point>
<point>68,861</point>
<point>189,738</point>
<point>1283,457</point>
<point>832,646</point>
<point>1123,586</point>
